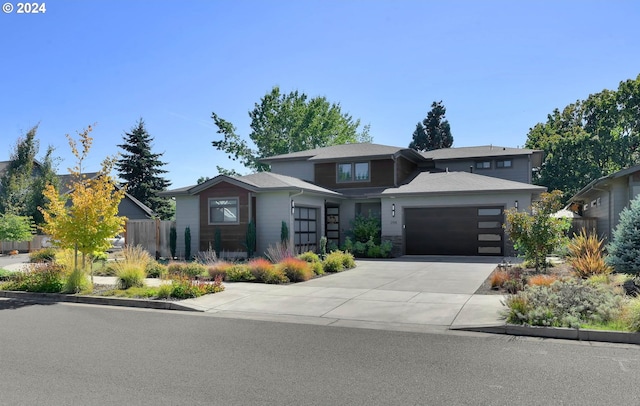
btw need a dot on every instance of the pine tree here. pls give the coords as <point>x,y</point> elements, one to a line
<point>624,249</point>
<point>141,169</point>
<point>434,131</point>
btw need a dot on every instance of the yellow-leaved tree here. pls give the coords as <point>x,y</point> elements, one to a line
<point>86,217</point>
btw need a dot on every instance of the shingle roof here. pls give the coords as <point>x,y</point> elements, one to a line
<point>271,181</point>
<point>260,181</point>
<point>358,150</point>
<point>476,152</point>
<point>459,182</point>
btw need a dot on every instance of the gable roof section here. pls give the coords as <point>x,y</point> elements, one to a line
<point>483,151</point>
<point>602,181</point>
<point>256,182</point>
<point>459,182</point>
<point>347,151</point>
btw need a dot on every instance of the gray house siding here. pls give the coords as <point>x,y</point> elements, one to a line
<point>189,209</point>
<point>519,172</point>
<point>131,210</point>
<point>297,169</point>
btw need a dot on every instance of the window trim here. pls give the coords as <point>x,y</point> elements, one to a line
<point>499,161</point>
<point>353,172</point>
<point>237,205</point>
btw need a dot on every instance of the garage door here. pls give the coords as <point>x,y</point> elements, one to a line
<point>454,231</point>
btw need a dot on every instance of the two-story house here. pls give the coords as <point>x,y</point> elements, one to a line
<point>445,202</point>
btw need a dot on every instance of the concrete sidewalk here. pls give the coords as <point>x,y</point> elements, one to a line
<point>411,292</point>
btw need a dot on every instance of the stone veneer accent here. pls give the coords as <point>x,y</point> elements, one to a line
<point>396,241</point>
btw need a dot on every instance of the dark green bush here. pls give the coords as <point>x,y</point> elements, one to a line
<point>624,249</point>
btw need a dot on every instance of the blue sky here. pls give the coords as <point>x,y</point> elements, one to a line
<point>499,67</point>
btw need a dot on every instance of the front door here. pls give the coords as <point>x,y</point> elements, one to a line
<point>332,226</point>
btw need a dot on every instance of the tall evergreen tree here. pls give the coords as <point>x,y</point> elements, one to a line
<point>141,169</point>
<point>434,131</point>
<point>24,179</point>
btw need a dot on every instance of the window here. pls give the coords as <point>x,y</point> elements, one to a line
<point>223,211</point>
<point>353,172</point>
<point>344,173</point>
<point>505,163</point>
<point>483,165</point>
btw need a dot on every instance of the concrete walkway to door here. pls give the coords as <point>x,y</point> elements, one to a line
<point>410,293</point>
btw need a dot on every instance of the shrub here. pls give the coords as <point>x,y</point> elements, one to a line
<point>219,269</point>
<point>6,275</point>
<point>131,268</point>
<point>250,239</point>
<point>624,249</point>
<point>317,268</point>
<point>184,288</point>
<point>173,240</point>
<point>309,256</point>
<point>164,291</point>
<point>585,255</point>
<point>365,228</point>
<point>599,279</point>
<point>295,269</point>
<point>631,314</point>
<point>187,243</point>
<point>333,262</point>
<point>43,255</point>
<point>77,281</point>
<point>537,235</point>
<point>347,260</point>
<point>498,278</point>
<point>279,252</point>
<point>129,277</point>
<point>208,257</point>
<point>239,273</point>
<point>265,271</point>
<point>156,270</point>
<point>564,304</point>
<point>541,280</point>
<point>99,256</point>
<point>194,270</point>
<point>323,246</point>
<point>46,278</point>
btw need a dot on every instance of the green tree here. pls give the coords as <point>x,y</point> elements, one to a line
<point>24,179</point>
<point>589,139</point>
<point>15,228</point>
<point>141,169</point>
<point>624,249</point>
<point>284,123</point>
<point>87,216</point>
<point>434,131</point>
<point>537,234</point>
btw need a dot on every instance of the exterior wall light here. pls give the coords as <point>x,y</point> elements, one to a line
<point>293,207</point>
<point>516,205</point>
<point>393,209</point>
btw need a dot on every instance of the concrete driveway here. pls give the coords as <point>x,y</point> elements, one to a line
<point>408,293</point>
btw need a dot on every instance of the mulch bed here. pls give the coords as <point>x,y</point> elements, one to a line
<point>559,269</point>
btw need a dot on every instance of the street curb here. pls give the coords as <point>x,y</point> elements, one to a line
<point>563,333</point>
<point>97,300</point>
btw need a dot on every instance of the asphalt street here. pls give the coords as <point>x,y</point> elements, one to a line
<point>88,355</point>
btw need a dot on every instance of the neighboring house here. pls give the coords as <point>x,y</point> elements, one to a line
<point>605,198</point>
<point>428,203</point>
<point>129,206</point>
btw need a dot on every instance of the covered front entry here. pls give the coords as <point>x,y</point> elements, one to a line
<point>454,231</point>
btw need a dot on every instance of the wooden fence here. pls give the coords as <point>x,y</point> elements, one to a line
<point>152,235</point>
<point>37,242</point>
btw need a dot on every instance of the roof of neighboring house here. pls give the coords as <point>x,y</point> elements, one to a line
<point>346,151</point>
<point>480,152</point>
<point>459,182</point>
<point>602,182</point>
<point>257,182</point>
<point>66,179</point>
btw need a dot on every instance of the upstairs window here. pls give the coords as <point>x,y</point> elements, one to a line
<point>505,163</point>
<point>223,211</point>
<point>353,172</point>
<point>483,165</point>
